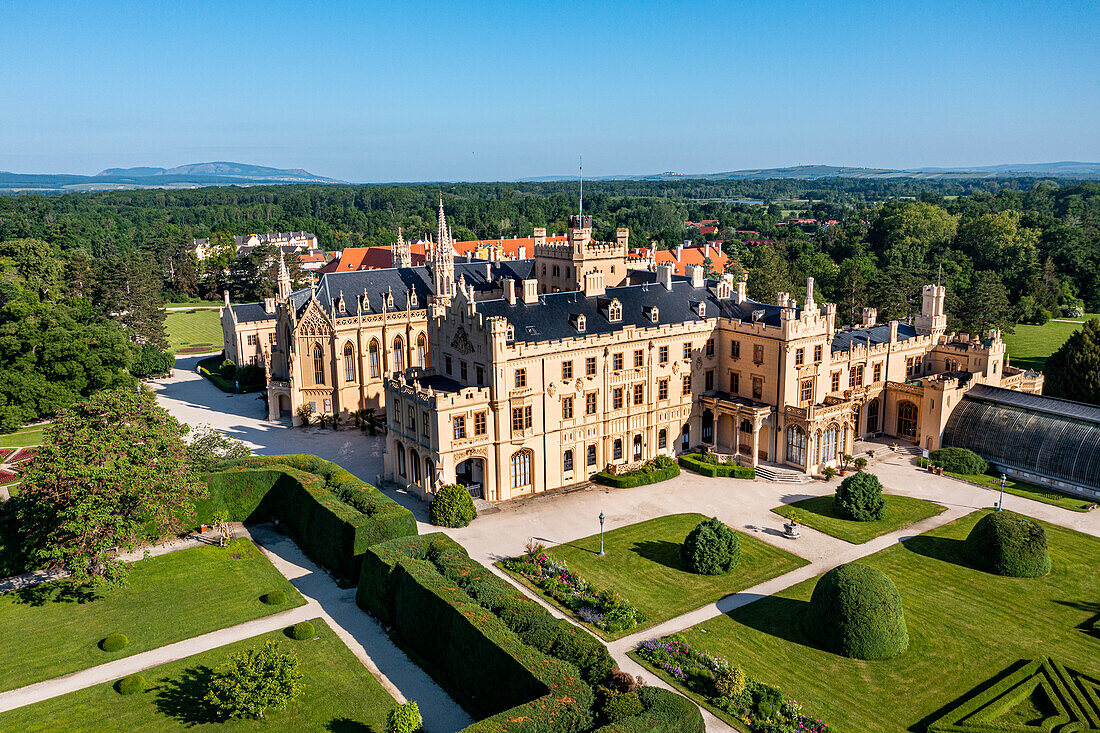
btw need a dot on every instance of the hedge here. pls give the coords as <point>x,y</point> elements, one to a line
<point>959,460</point>
<point>301,631</point>
<point>697,463</point>
<point>274,598</point>
<point>1006,543</point>
<point>114,642</point>
<point>855,610</point>
<point>665,712</point>
<point>321,504</point>
<point>640,477</point>
<point>130,684</point>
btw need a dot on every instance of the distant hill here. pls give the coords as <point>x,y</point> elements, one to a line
<point>193,175</point>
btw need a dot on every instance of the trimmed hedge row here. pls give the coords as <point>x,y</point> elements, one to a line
<point>475,652</point>
<point>959,460</point>
<point>332,515</point>
<point>637,478</point>
<point>665,712</point>
<point>697,463</point>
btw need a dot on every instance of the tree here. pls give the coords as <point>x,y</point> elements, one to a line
<point>404,718</point>
<point>127,290</point>
<point>113,471</point>
<point>983,306</point>
<point>859,497</point>
<point>257,680</point>
<point>768,274</point>
<point>1073,371</point>
<point>908,232</point>
<point>149,361</point>
<point>209,447</point>
<point>711,548</point>
<point>452,507</point>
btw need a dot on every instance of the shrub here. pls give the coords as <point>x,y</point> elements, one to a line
<point>149,361</point>
<point>228,370</point>
<point>730,682</point>
<point>131,684</point>
<point>828,472</point>
<point>699,464</point>
<point>1005,543</point>
<point>860,463</point>
<point>657,470</point>
<point>254,681</point>
<point>114,643</point>
<point>859,497</point>
<point>274,598</point>
<point>621,705</point>
<point>711,548</point>
<point>855,611</point>
<point>251,375</point>
<point>452,507</point>
<point>301,631</point>
<point>959,460</point>
<point>404,718</point>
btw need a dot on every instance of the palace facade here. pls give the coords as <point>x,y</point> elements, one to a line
<point>525,376</point>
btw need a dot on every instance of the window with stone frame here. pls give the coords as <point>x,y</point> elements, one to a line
<point>567,369</point>
<point>639,394</point>
<point>567,461</point>
<point>687,350</point>
<point>834,384</point>
<point>806,391</point>
<point>459,422</point>
<point>617,361</point>
<point>590,403</point>
<point>521,378</point>
<point>521,418</point>
<point>708,380</point>
<point>662,389</point>
<point>757,354</point>
<point>685,389</point>
<point>662,439</point>
<point>817,354</point>
<point>855,377</point>
<point>480,423</point>
<point>567,408</point>
<point>590,455</point>
<point>639,358</point>
<point>662,354</point>
<point>758,388</point>
<point>425,425</point>
<point>617,398</point>
<point>735,349</point>
<point>735,382</point>
<point>710,347</point>
<point>799,356</point>
<point>590,366</point>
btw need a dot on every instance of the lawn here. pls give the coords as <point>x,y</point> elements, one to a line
<point>166,599</point>
<point>193,331</point>
<point>22,437</point>
<point>965,627</point>
<point>642,562</point>
<point>817,512</point>
<point>1029,491</point>
<point>339,694</point>
<point>1029,346</point>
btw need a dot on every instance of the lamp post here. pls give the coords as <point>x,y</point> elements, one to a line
<point>601,534</point>
<point>1001,501</point>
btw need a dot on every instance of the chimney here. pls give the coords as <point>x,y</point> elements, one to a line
<point>530,291</point>
<point>809,305</point>
<point>540,236</point>
<point>870,317</point>
<point>664,276</point>
<point>893,331</point>
<point>510,290</point>
<point>488,270</point>
<point>522,253</point>
<point>679,251</point>
<point>706,250</point>
<point>593,283</point>
<point>742,290</point>
<point>695,272</point>
<point>269,305</point>
<point>225,293</point>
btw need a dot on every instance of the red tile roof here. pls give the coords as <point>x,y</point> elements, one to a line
<point>691,256</point>
<point>509,246</point>
<point>370,258</point>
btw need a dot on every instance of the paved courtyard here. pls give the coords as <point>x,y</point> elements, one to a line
<point>566,516</point>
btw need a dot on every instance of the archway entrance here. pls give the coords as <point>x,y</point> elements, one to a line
<point>907,420</point>
<point>284,405</point>
<point>471,474</point>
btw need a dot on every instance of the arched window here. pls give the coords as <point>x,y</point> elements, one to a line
<point>907,419</point>
<point>399,451</point>
<point>372,359</point>
<point>349,362</point>
<point>590,455</point>
<point>414,464</point>
<point>521,469</point>
<point>872,416</point>
<point>637,447</point>
<point>829,443</point>
<point>615,311</point>
<point>421,351</point>
<point>617,450</point>
<point>429,471</point>
<point>685,437</point>
<point>398,354</point>
<point>796,445</point>
<point>662,439</point>
<point>567,461</point>
<point>318,364</point>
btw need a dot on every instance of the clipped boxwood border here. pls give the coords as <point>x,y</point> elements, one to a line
<point>636,478</point>
<point>694,462</point>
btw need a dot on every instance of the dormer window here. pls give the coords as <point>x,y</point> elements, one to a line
<point>340,305</point>
<point>653,314</point>
<point>577,320</point>
<point>702,308</point>
<point>412,298</point>
<point>511,333</point>
<point>615,311</point>
<point>725,290</point>
<point>389,300</point>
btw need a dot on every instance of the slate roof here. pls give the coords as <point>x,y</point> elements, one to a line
<point>251,312</point>
<point>843,340</point>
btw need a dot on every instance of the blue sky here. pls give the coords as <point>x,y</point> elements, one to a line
<point>384,91</point>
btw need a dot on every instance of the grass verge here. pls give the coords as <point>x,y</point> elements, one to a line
<point>23,437</point>
<point>642,562</point>
<point>1030,346</point>
<point>817,512</point>
<point>166,599</point>
<point>339,694</point>
<point>965,627</point>
<point>1028,491</point>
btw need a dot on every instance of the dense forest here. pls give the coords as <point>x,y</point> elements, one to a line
<point>87,272</point>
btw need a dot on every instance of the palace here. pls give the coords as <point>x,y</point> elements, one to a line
<point>519,377</point>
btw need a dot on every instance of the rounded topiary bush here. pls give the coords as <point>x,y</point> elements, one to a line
<point>855,611</point>
<point>859,497</point>
<point>404,718</point>
<point>452,507</point>
<point>959,460</point>
<point>1005,543</point>
<point>274,598</point>
<point>710,549</point>
<point>301,631</point>
<point>130,685</point>
<point>114,642</point>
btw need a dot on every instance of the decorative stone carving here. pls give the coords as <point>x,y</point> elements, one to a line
<point>675,367</point>
<point>580,384</point>
<point>551,390</point>
<point>461,342</point>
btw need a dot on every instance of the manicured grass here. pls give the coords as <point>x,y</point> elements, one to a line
<point>1029,491</point>
<point>210,368</point>
<point>166,599</point>
<point>339,694</point>
<point>643,564</point>
<point>23,437</point>
<point>1029,346</point>
<point>901,511</point>
<point>965,627</point>
<point>194,332</point>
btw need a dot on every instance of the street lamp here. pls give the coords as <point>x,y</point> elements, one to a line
<point>601,534</point>
<point>1001,502</point>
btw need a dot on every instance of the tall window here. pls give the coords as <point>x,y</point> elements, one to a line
<point>617,398</point>
<point>757,388</point>
<point>398,355</point>
<point>872,416</point>
<point>710,347</point>
<point>735,383</point>
<point>590,366</point>
<point>662,439</point>
<point>758,354</point>
<point>735,349</point>
<point>662,389</point>
<point>817,353</point>
<point>617,450</point>
<point>685,437</point>
<point>400,459</point>
<point>318,365</point>
<point>349,363</point>
<point>567,461</point>
<point>590,403</point>
<point>567,370</point>
<point>907,419</point>
<point>708,380</point>
<point>637,447</point>
<point>708,426</point>
<point>521,418</point>
<point>617,361</point>
<point>521,378</point>
<point>687,350</point>
<point>834,385</point>
<point>796,445</point>
<point>685,389</point>
<point>412,420</point>
<point>639,394</point>
<point>799,357</point>
<point>479,423</point>
<point>460,426</point>
<point>566,408</point>
<point>877,372</point>
<point>662,354</point>
<point>590,455</point>
<point>638,358</point>
<point>806,391</point>
<point>855,377</point>
<point>829,443</point>
<point>421,351</point>
<point>521,469</point>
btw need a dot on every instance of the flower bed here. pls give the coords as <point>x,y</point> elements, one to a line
<point>707,465</point>
<point>659,469</point>
<point>7,476</point>
<point>759,708</point>
<point>604,609</point>
<point>23,454</point>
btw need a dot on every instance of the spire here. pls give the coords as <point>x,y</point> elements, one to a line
<point>284,277</point>
<point>442,262</point>
<point>441,224</point>
<point>401,252</point>
<point>580,210</point>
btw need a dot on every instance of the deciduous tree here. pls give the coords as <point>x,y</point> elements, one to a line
<point>255,681</point>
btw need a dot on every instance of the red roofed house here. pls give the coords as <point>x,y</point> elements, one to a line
<point>683,256</point>
<point>706,226</point>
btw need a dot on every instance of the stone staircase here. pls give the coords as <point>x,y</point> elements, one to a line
<point>781,475</point>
